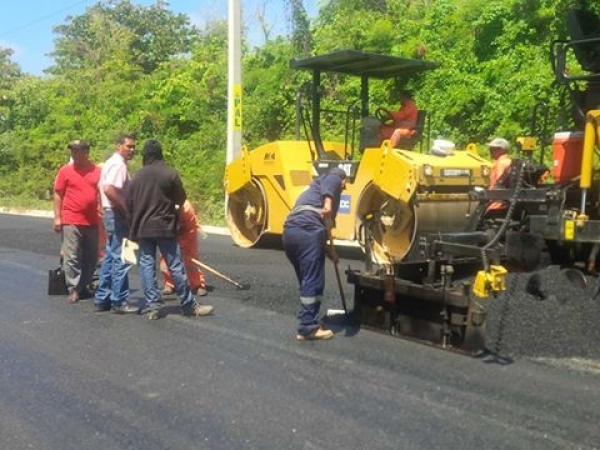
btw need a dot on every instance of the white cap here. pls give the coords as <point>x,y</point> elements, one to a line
<point>500,143</point>
<point>442,147</point>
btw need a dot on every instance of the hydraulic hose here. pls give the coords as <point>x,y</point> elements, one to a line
<point>506,221</point>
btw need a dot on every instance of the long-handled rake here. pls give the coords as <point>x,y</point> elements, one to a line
<point>241,287</point>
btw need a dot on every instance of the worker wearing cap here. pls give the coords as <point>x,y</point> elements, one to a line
<point>75,216</point>
<point>305,234</point>
<point>499,151</point>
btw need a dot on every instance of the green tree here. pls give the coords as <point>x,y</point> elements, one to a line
<point>10,72</point>
<point>122,67</point>
<point>157,35</point>
<point>301,39</point>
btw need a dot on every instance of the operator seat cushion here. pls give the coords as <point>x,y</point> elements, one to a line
<point>585,25</point>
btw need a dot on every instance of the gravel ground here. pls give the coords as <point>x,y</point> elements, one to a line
<point>564,324</point>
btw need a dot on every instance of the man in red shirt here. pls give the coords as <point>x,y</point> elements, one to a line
<point>76,217</point>
<point>404,121</point>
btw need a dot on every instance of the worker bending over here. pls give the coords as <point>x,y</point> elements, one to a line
<point>305,234</point>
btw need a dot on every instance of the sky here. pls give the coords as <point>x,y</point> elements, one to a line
<point>26,25</point>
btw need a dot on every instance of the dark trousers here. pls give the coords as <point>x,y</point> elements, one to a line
<point>305,248</point>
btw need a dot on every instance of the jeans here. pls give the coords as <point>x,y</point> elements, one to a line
<point>113,285</point>
<point>169,249</point>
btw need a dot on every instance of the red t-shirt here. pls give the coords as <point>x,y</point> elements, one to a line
<point>78,187</point>
<point>407,115</point>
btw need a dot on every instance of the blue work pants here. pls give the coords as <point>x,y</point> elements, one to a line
<point>305,248</point>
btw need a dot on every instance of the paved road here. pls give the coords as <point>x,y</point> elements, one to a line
<point>73,379</point>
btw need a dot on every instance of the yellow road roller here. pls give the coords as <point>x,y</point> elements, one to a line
<point>408,191</point>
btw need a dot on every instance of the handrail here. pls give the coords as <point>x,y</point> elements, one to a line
<point>558,59</point>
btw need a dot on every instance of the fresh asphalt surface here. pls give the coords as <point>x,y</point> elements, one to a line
<point>74,379</point>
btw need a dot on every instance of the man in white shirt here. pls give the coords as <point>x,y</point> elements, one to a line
<point>113,287</point>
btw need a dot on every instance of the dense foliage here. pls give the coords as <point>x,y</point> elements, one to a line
<point>122,67</point>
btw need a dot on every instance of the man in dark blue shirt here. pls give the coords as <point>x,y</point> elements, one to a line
<point>305,234</point>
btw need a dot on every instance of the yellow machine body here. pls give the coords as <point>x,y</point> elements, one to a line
<point>410,192</point>
<point>493,281</point>
<point>263,185</point>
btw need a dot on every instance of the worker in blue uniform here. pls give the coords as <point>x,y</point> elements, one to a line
<point>306,232</point>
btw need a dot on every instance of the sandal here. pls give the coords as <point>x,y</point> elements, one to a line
<point>73,296</point>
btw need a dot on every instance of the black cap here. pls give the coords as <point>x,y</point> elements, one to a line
<point>337,172</point>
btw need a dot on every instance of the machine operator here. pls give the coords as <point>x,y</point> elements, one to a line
<point>499,151</point>
<point>404,121</point>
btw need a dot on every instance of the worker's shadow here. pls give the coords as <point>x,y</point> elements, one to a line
<point>342,323</point>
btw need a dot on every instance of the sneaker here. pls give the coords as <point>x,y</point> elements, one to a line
<point>153,311</point>
<point>199,292</point>
<point>101,308</point>
<point>197,310</point>
<point>125,308</point>
<point>318,334</point>
<point>152,306</point>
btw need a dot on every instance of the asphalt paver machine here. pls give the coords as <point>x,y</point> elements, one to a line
<point>438,291</point>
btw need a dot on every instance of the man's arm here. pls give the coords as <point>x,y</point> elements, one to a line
<point>326,213</point>
<point>402,117</point>
<point>115,198</point>
<point>327,209</point>
<point>57,208</point>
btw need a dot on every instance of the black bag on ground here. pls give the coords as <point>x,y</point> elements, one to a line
<point>57,284</point>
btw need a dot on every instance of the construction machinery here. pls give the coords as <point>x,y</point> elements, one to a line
<point>263,185</point>
<point>433,257</point>
<point>395,199</point>
<point>436,292</point>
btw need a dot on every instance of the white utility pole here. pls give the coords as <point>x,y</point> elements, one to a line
<point>234,102</point>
